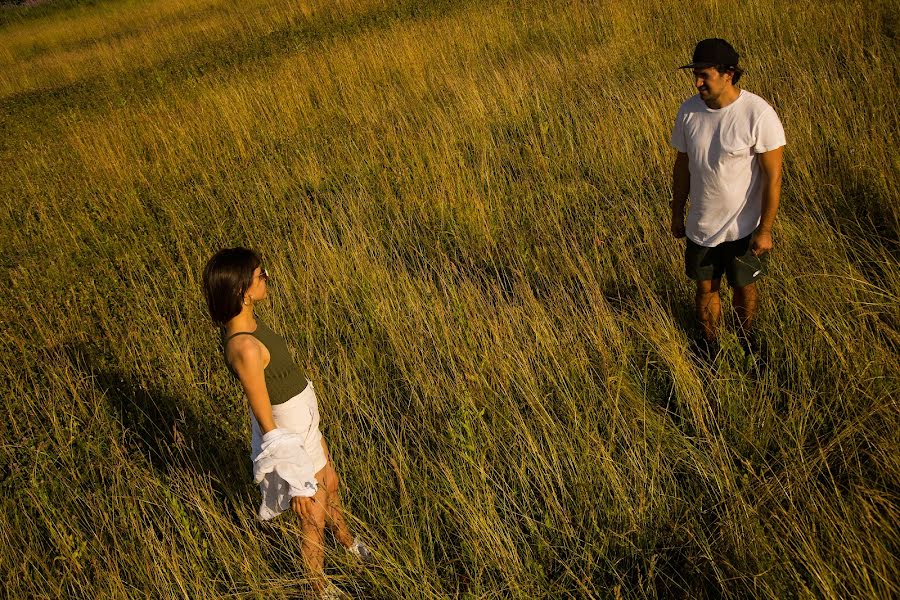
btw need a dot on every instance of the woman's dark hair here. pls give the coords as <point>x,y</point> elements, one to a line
<point>736,72</point>
<point>226,278</point>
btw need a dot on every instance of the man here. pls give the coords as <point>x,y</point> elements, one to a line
<point>730,145</point>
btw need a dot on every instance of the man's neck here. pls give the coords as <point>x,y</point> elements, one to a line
<point>728,96</point>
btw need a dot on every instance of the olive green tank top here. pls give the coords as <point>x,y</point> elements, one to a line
<point>284,379</point>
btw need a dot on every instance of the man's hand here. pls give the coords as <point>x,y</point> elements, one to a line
<point>677,227</point>
<point>761,242</point>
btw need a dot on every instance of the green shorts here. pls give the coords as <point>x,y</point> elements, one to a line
<point>733,259</point>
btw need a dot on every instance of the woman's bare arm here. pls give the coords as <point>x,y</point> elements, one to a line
<point>245,355</point>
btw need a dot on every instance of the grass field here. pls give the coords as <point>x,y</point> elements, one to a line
<point>464,209</point>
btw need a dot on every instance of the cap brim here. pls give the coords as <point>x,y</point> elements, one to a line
<point>702,65</point>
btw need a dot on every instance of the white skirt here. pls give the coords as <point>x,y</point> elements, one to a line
<point>299,415</point>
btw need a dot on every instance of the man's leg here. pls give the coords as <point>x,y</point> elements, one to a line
<point>745,303</point>
<point>705,267</point>
<point>709,308</point>
<point>744,271</point>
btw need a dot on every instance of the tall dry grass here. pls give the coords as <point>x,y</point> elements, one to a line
<point>463,205</point>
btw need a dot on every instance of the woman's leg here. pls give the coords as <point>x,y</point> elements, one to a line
<point>333,509</point>
<point>313,547</point>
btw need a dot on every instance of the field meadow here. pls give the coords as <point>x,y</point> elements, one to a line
<point>464,209</point>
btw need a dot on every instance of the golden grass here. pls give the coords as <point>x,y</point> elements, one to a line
<point>463,205</point>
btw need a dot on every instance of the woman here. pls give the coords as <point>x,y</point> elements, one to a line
<point>291,461</point>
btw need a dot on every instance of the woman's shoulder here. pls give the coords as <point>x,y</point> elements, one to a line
<point>242,348</point>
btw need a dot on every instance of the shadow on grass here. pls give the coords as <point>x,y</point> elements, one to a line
<point>166,430</point>
<point>169,433</point>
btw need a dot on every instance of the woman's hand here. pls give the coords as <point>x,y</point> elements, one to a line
<point>304,506</point>
<point>311,508</point>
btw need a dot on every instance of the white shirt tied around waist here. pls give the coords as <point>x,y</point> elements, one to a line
<point>726,181</point>
<point>286,459</point>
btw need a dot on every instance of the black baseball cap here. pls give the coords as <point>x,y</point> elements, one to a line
<point>712,52</point>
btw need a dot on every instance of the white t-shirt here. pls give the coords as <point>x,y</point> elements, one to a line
<point>726,182</point>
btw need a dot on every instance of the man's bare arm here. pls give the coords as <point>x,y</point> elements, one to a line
<point>770,166</point>
<point>681,186</point>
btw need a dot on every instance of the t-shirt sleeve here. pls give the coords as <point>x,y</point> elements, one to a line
<point>678,140</point>
<point>769,132</point>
